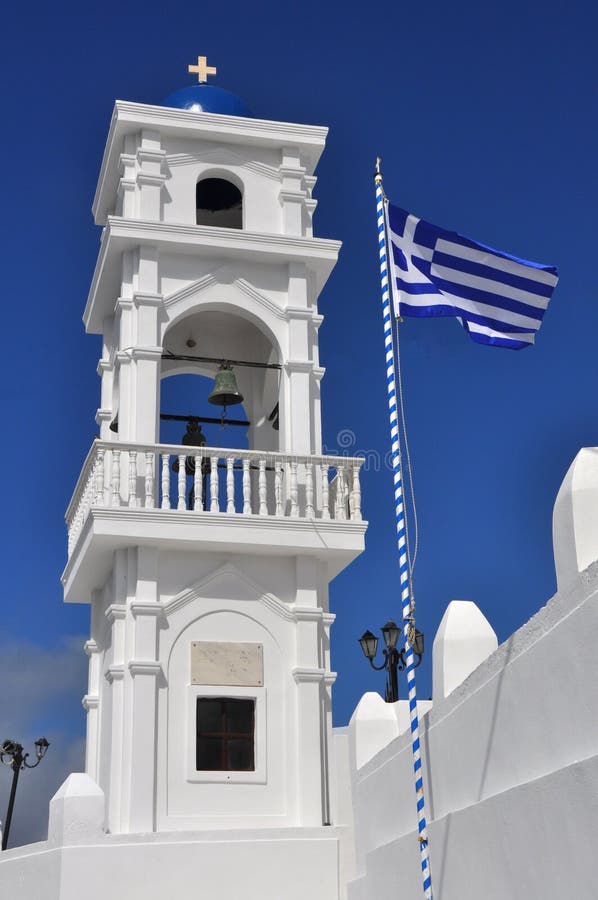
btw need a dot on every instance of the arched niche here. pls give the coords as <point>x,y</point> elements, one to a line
<point>218,202</point>
<point>224,335</point>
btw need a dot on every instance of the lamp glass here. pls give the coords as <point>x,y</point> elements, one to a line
<point>418,643</point>
<point>390,633</point>
<point>369,644</point>
<point>41,745</point>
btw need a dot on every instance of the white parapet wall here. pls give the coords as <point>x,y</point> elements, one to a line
<point>575,518</point>
<point>510,754</point>
<point>463,641</point>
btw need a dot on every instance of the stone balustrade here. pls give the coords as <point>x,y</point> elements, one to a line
<point>207,480</point>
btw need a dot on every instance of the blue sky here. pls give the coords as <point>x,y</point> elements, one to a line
<point>484,117</point>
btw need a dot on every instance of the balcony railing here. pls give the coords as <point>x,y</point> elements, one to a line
<point>207,480</point>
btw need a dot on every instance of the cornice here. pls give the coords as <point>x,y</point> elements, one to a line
<point>228,238</point>
<point>146,608</point>
<point>145,298</point>
<point>307,613</point>
<point>90,701</point>
<point>116,611</point>
<point>286,196</point>
<point>103,415</point>
<point>285,133</point>
<point>90,647</point>
<point>143,154</point>
<point>136,353</point>
<point>303,675</point>
<point>145,178</point>
<point>164,517</point>
<point>298,312</point>
<point>126,184</point>
<point>144,667</point>
<point>115,672</point>
<point>292,171</point>
<point>299,365</point>
<point>126,159</point>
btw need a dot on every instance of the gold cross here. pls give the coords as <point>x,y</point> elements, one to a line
<point>202,69</point>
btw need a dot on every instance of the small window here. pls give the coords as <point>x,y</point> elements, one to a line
<point>218,202</point>
<point>225,735</point>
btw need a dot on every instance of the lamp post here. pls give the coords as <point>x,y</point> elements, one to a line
<point>11,755</point>
<point>394,658</point>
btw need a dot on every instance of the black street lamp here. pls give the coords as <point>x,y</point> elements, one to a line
<point>11,755</point>
<point>394,659</point>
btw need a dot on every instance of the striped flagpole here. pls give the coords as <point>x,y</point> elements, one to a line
<point>405,579</point>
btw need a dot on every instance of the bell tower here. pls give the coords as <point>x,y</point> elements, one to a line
<point>207,568</point>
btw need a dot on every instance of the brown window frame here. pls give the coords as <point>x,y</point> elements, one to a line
<point>224,735</point>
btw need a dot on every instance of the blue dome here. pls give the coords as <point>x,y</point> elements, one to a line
<point>207,98</point>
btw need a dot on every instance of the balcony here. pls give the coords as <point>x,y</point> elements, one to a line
<point>229,500</point>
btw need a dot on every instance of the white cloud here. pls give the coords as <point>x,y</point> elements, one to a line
<point>41,694</point>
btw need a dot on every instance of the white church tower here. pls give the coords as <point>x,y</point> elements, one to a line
<point>207,569</point>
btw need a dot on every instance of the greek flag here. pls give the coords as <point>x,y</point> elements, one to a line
<point>499,299</point>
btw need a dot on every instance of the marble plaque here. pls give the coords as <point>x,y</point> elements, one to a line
<point>213,662</point>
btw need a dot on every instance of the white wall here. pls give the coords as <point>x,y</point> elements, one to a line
<point>285,865</point>
<point>510,773</point>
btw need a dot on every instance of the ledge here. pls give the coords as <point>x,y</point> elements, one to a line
<point>120,235</point>
<point>337,542</point>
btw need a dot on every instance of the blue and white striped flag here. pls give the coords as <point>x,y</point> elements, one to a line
<point>499,299</point>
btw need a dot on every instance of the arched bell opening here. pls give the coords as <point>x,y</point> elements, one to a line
<point>218,202</point>
<point>235,356</point>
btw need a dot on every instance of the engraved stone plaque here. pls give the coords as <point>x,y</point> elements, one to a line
<point>217,663</point>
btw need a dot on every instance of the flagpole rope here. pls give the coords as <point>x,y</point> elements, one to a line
<point>404,573</point>
<point>411,557</point>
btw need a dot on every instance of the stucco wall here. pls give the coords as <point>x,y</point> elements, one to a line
<point>510,768</point>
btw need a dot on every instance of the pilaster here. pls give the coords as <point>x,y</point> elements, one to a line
<point>292,193</point>
<point>143,678</point>
<point>91,702</point>
<point>309,674</point>
<point>150,177</point>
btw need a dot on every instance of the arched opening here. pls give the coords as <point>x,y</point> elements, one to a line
<point>218,390</point>
<point>220,335</point>
<point>218,203</point>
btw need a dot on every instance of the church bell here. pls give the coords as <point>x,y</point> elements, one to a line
<point>225,391</point>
